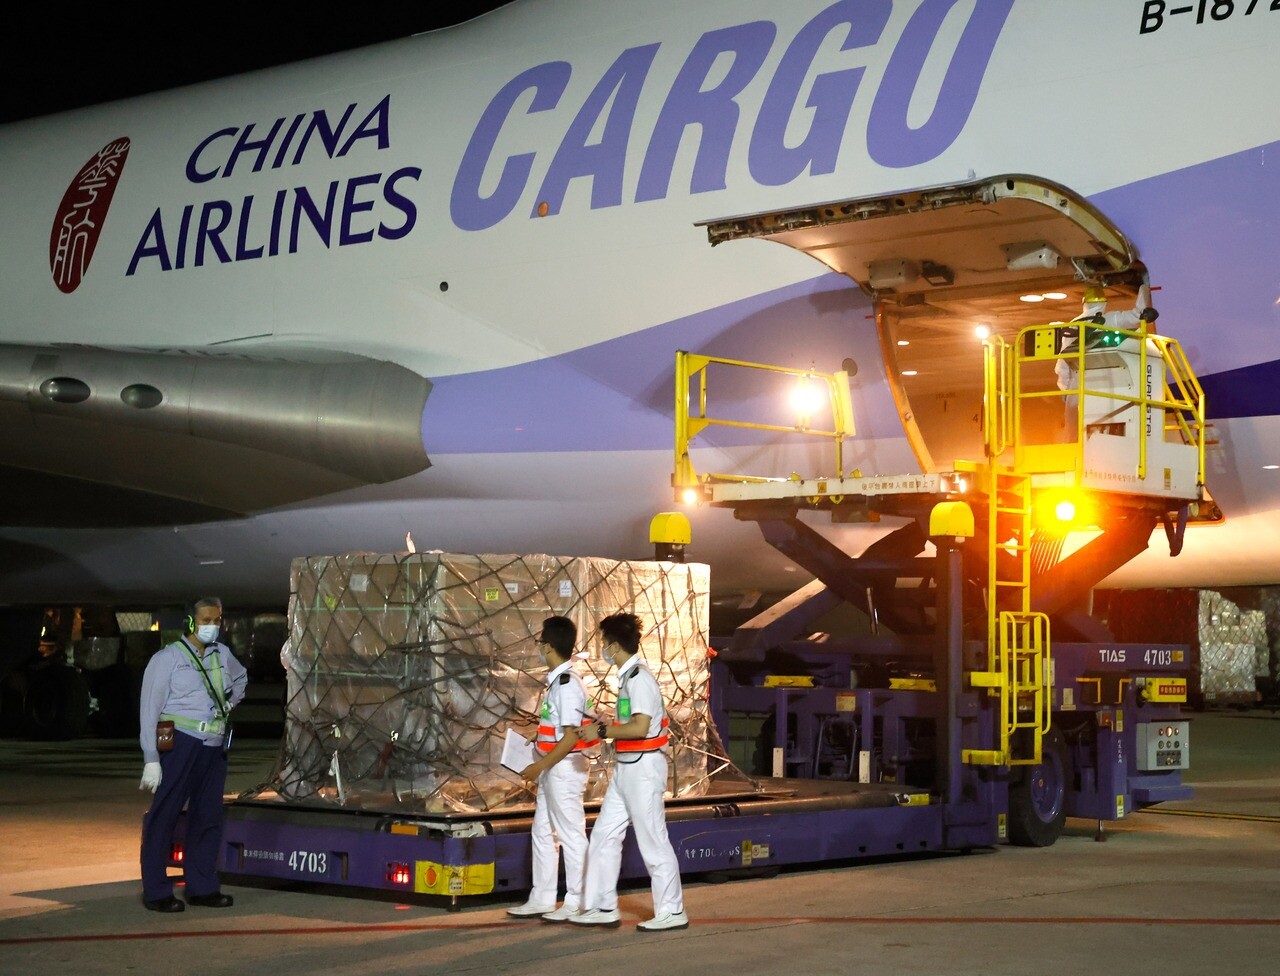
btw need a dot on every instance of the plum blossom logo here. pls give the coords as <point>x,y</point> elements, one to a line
<point>83,211</point>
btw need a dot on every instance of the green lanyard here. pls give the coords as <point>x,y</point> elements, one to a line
<point>218,694</point>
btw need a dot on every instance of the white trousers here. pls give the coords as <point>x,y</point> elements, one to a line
<point>634,797</point>
<point>558,817</point>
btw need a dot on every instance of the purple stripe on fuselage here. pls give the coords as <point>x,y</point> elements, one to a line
<point>619,394</point>
<point>1210,234</point>
<point>1210,237</point>
<point>1250,391</point>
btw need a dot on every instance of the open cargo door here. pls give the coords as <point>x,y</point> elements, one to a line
<point>941,264</point>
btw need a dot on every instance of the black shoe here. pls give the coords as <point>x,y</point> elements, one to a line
<point>215,900</point>
<point>169,904</point>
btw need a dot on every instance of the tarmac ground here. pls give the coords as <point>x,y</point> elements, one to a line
<point>1190,887</point>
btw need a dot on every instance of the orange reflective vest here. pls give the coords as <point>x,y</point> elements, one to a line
<point>547,737</point>
<point>651,744</point>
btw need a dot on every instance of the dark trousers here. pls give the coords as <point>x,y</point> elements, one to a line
<point>194,775</point>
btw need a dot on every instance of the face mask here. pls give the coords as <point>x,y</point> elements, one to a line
<point>207,633</point>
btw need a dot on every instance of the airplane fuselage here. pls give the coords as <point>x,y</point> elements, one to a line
<point>495,226</point>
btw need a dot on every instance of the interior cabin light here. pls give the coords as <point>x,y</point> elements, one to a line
<point>1030,299</point>
<point>910,372</point>
<point>904,342</point>
<point>982,331</point>
<point>1055,296</point>
<point>1270,467</point>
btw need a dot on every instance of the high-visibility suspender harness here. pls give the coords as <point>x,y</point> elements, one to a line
<point>217,691</point>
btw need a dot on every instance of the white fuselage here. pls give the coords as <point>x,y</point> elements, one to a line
<point>508,209</point>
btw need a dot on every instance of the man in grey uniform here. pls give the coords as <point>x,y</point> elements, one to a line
<point>193,683</point>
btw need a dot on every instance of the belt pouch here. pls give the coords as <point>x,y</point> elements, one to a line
<point>164,736</point>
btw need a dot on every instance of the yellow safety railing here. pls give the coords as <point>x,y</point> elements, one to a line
<point>1180,399</point>
<point>692,418</point>
<point>997,396</point>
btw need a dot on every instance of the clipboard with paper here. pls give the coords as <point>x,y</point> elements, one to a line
<point>517,752</point>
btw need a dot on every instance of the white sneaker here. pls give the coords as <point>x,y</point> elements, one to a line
<point>665,921</point>
<point>562,914</point>
<point>598,916</point>
<point>530,910</point>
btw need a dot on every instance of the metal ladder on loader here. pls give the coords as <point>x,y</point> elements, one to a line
<point>1018,661</point>
<point>1018,657</point>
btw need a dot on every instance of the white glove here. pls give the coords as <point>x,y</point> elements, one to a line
<point>150,777</point>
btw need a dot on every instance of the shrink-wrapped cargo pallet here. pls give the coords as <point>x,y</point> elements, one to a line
<point>1233,650</point>
<point>405,671</point>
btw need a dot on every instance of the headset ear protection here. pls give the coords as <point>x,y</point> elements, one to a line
<point>189,624</point>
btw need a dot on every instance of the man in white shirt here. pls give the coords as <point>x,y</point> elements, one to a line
<point>635,794</point>
<point>559,821</point>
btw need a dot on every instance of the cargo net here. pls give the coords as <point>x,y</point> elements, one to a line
<point>1234,651</point>
<point>405,671</point>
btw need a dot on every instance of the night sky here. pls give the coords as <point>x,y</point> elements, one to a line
<point>84,59</point>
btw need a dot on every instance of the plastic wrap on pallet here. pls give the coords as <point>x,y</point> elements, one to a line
<point>1226,673</point>
<point>405,671</point>
<point>1270,600</point>
<point>1230,642</point>
<point>1261,649</point>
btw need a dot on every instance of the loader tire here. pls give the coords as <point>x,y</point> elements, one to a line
<point>1038,795</point>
